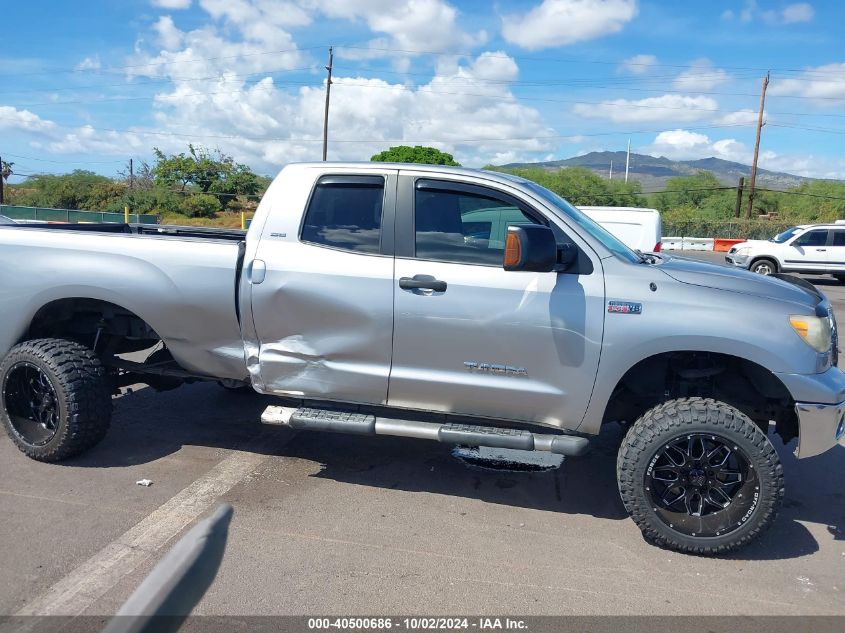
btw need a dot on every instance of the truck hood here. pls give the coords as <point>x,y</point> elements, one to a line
<point>780,287</point>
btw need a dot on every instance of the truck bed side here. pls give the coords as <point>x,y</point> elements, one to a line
<point>181,286</point>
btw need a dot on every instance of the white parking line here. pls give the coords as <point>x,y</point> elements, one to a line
<point>82,587</point>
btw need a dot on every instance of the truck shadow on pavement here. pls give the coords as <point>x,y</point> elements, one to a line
<point>148,426</point>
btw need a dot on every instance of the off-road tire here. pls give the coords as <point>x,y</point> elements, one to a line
<point>683,417</point>
<point>83,396</point>
<point>762,263</point>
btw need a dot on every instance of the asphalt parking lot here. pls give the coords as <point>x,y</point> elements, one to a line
<point>334,524</point>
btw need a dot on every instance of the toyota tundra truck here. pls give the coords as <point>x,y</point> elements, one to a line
<point>455,305</point>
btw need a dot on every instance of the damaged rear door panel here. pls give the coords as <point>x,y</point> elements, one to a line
<point>324,311</point>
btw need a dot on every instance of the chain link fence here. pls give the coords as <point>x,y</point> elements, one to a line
<point>726,229</point>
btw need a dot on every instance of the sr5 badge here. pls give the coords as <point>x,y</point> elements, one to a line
<point>625,307</point>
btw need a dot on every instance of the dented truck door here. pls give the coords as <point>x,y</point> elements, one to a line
<point>323,311</point>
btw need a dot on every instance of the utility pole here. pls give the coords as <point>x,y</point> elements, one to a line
<point>757,146</point>
<point>627,160</point>
<point>326,115</point>
<point>610,177</point>
<point>131,174</point>
<point>2,178</point>
<point>739,186</point>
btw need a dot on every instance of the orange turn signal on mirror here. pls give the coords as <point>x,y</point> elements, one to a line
<point>513,250</point>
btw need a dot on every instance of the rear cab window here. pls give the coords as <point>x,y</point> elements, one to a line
<point>345,212</point>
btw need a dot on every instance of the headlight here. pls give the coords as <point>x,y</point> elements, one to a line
<point>815,331</point>
<point>743,251</point>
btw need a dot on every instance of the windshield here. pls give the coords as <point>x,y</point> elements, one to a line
<point>780,238</point>
<point>609,241</point>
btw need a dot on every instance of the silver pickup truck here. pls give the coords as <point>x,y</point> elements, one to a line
<point>454,305</point>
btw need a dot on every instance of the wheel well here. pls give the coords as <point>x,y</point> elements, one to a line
<point>108,327</point>
<point>767,258</point>
<point>741,383</point>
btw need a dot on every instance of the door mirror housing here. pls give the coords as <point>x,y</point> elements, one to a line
<point>530,247</point>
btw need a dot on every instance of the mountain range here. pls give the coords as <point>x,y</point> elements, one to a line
<point>653,172</point>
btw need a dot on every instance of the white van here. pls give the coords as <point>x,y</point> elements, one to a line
<point>640,229</point>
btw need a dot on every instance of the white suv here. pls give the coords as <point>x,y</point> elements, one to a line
<point>807,248</point>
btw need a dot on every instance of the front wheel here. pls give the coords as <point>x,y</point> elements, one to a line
<point>764,267</point>
<point>55,400</point>
<point>699,476</point>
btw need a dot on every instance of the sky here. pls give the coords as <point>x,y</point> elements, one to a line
<point>89,85</point>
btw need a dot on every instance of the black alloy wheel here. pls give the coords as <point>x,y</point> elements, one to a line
<point>32,404</point>
<point>702,485</point>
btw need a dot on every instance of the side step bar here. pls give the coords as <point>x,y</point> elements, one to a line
<point>308,419</point>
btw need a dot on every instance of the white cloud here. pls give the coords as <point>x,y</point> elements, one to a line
<point>217,95</point>
<point>87,139</point>
<point>685,145</point>
<point>800,12</point>
<point>14,119</point>
<point>671,107</point>
<point>789,14</point>
<point>172,4</point>
<point>373,110</point>
<point>700,76</point>
<point>89,63</point>
<point>561,22</point>
<point>414,25</point>
<point>825,83</point>
<point>48,136</point>
<point>168,35</point>
<point>638,64</point>
<point>740,117</point>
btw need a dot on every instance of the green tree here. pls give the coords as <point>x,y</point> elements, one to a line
<point>581,186</point>
<point>66,191</point>
<point>200,205</point>
<point>694,191</point>
<point>417,154</point>
<point>206,171</point>
<point>5,170</point>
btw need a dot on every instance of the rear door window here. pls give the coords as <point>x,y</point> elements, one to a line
<point>345,212</point>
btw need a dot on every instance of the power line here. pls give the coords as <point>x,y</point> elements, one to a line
<point>418,90</point>
<point>196,60</point>
<point>543,59</point>
<point>201,135</point>
<point>578,61</point>
<point>75,162</point>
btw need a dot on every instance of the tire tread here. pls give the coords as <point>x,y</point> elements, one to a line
<point>669,418</point>
<point>83,384</point>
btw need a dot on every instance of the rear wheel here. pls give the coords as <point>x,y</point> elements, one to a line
<point>840,278</point>
<point>55,400</point>
<point>699,476</point>
<point>764,267</point>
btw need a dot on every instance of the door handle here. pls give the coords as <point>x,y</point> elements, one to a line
<point>820,250</point>
<point>422,282</point>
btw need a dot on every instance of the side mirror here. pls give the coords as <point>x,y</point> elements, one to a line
<point>530,247</point>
